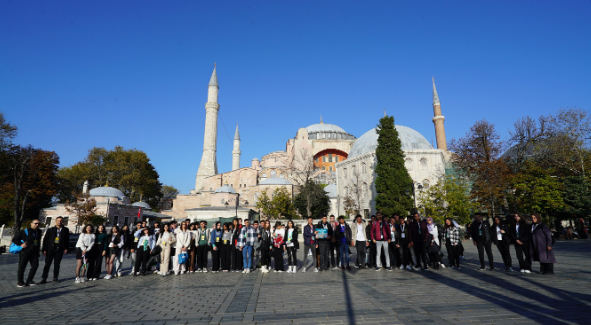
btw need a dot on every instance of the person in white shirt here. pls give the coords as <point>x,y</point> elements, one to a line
<point>144,248</point>
<point>359,240</point>
<point>165,241</point>
<point>183,245</point>
<point>435,246</point>
<point>116,241</point>
<point>83,247</point>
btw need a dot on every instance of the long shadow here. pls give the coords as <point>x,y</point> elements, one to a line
<point>349,301</point>
<point>26,300</point>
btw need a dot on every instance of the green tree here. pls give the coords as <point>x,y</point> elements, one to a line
<point>577,196</point>
<point>393,180</point>
<point>169,191</point>
<point>321,204</point>
<point>536,190</point>
<point>433,200</point>
<point>450,197</point>
<point>279,205</point>
<point>264,203</point>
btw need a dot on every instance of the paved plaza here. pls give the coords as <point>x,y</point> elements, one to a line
<point>333,297</point>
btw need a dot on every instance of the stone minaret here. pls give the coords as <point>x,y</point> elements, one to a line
<point>438,120</point>
<point>209,166</point>
<point>236,151</point>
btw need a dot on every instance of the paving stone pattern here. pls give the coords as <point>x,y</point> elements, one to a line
<point>330,297</point>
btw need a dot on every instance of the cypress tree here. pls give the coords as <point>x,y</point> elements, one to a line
<point>393,183</point>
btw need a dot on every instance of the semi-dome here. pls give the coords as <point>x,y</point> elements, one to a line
<point>142,204</point>
<point>106,191</point>
<point>225,189</point>
<point>410,139</point>
<point>275,181</point>
<point>327,131</point>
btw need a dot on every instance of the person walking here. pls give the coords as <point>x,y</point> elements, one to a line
<point>419,235</point>
<point>226,248</point>
<point>116,240</point>
<point>380,236</point>
<point>310,244</point>
<point>279,246</point>
<point>324,243</point>
<point>435,245</point>
<point>202,243</point>
<point>216,242</point>
<point>359,240</point>
<point>165,241</point>
<point>30,241</point>
<point>501,238</point>
<point>183,246</point>
<point>292,245</point>
<point>403,244</point>
<point>541,246</point>
<point>83,249</point>
<point>520,236</point>
<point>98,252</point>
<point>246,243</point>
<point>481,237</point>
<point>55,245</point>
<point>144,247</point>
<point>266,246</point>
<point>452,243</point>
<point>343,236</point>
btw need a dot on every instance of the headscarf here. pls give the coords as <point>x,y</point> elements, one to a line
<point>430,224</point>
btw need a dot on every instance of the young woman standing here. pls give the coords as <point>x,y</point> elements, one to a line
<point>292,246</point>
<point>452,243</point>
<point>144,248</point>
<point>165,241</point>
<point>216,244</point>
<point>435,244</point>
<point>278,246</point>
<point>237,260</point>
<point>116,240</point>
<point>183,246</point>
<point>266,246</point>
<point>500,237</point>
<point>98,251</point>
<point>403,244</point>
<point>193,249</point>
<point>520,236</point>
<point>83,249</point>
<point>541,246</point>
<point>203,243</point>
<point>226,248</point>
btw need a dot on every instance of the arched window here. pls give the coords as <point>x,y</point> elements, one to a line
<point>363,168</point>
<point>408,164</point>
<point>424,166</point>
<point>273,173</point>
<point>353,170</point>
<point>364,189</point>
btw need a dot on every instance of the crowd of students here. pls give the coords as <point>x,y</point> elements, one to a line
<point>185,247</point>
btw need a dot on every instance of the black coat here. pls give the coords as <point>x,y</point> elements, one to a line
<point>485,231</point>
<point>49,239</point>
<point>524,233</point>
<point>506,238</point>
<point>329,230</point>
<point>403,241</point>
<point>294,238</point>
<point>339,234</point>
<point>30,240</point>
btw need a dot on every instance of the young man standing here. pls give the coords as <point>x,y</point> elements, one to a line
<point>482,240</point>
<point>256,249</point>
<point>334,245</point>
<point>310,243</point>
<point>394,260</point>
<point>380,236</point>
<point>324,243</point>
<point>55,245</point>
<point>245,243</point>
<point>359,240</point>
<point>419,235</point>
<point>343,237</point>
<point>30,241</point>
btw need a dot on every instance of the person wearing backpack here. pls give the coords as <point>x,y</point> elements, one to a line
<point>55,245</point>
<point>30,241</point>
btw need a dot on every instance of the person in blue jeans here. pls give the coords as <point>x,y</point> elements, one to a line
<point>245,243</point>
<point>343,236</point>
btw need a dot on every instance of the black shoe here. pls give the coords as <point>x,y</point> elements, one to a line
<point>492,268</point>
<point>56,280</point>
<point>348,268</point>
<point>21,285</point>
<point>43,281</point>
<point>31,283</point>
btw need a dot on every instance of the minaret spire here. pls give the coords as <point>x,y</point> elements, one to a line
<point>438,120</point>
<point>208,166</point>
<point>236,150</point>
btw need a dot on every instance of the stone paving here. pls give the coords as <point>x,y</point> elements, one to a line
<point>334,297</point>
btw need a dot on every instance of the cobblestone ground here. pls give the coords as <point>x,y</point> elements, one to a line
<point>334,297</point>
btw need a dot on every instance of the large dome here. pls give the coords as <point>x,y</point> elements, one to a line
<point>327,131</point>
<point>410,139</point>
<point>106,191</point>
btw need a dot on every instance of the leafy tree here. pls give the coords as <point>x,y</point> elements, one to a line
<point>450,197</point>
<point>393,180</point>
<point>536,190</point>
<point>7,132</point>
<point>321,204</point>
<point>169,191</point>
<point>433,200</point>
<point>264,203</point>
<point>84,207</point>
<point>349,205</point>
<point>577,196</point>
<point>281,204</point>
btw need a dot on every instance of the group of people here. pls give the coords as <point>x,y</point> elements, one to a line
<point>185,247</point>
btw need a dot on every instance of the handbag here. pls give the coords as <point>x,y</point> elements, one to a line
<point>14,248</point>
<point>156,251</point>
<point>183,258</point>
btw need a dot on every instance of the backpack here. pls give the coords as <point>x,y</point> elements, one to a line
<point>14,248</point>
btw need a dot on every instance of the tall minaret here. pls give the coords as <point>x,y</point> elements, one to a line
<point>209,166</point>
<point>438,120</point>
<point>236,151</point>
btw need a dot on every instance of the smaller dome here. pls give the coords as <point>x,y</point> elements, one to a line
<point>106,191</point>
<point>255,159</point>
<point>225,189</point>
<point>275,181</point>
<point>142,204</point>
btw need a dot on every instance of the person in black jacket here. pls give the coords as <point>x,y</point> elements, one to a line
<point>371,257</point>
<point>55,245</point>
<point>481,238</point>
<point>520,235</point>
<point>30,241</point>
<point>500,237</point>
<point>324,244</point>
<point>343,236</point>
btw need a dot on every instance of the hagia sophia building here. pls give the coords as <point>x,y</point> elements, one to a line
<point>339,159</point>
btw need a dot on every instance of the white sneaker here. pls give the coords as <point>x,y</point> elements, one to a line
<point>295,269</point>
<point>119,274</point>
<point>527,271</point>
<point>265,269</point>
<point>275,271</point>
<point>247,271</point>
<point>82,280</point>
<point>442,266</point>
<point>408,267</point>
<point>244,271</point>
<point>280,271</point>
<point>315,269</point>
<point>288,269</point>
<point>131,273</point>
<point>176,272</point>
<point>303,270</point>
<point>77,280</point>
<point>335,268</point>
<point>522,271</point>
<point>156,272</point>
<point>107,277</point>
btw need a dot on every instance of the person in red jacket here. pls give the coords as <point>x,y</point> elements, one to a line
<point>419,234</point>
<point>380,235</point>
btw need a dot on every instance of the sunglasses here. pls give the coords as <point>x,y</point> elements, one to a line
<point>36,223</point>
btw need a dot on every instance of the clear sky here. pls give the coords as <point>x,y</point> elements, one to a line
<point>80,74</point>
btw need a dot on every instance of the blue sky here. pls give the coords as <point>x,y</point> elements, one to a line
<point>80,74</point>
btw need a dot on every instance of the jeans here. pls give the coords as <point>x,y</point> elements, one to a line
<point>482,246</point>
<point>313,248</point>
<point>118,263</point>
<point>361,248</point>
<point>56,257</point>
<point>344,254</point>
<point>382,244</point>
<point>132,258</point>
<point>247,257</point>
<point>324,247</point>
<point>291,256</point>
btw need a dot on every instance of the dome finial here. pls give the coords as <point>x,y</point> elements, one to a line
<point>385,113</point>
<point>321,120</point>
